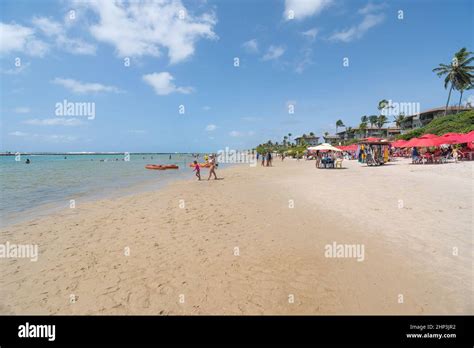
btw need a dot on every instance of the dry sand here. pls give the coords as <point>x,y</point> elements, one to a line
<point>409,218</point>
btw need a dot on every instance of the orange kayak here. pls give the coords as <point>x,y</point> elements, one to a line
<point>161,167</point>
<point>202,165</point>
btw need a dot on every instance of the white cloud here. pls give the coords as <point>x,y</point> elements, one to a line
<point>163,84</point>
<point>57,32</point>
<point>211,127</point>
<point>82,88</point>
<point>274,52</point>
<point>18,38</point>
<point>59,121</point>
<point>251,46</point>
<point>356,32</point>
<point>236,134</point>
<point>15,70</point>
<point>371,7</point>
<point>304,61</point>
<point>144,28</point>
<point>18,134</point>
<point>305,8</point>
<point>311,33</point>
<point>22,110</point>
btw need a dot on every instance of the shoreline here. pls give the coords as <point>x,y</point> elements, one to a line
<point>190,251</point>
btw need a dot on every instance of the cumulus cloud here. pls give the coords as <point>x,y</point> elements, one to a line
<point>83,88</point>
<point>18,38</point>
<point>145,28</point>
<point>57,32</point>
<point>274,52</point>
<point>59,121</point>
<point>251,46</point>
<point>163,84</point>
<point>211,127</point>
<point>305,8</point>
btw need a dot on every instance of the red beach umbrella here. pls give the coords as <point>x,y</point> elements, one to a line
<point>426,142</point>
<point>454,138</point>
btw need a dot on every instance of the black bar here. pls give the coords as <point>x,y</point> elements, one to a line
<point>288,330</point>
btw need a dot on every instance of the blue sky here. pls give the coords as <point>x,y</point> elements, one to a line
<point>182,53</point>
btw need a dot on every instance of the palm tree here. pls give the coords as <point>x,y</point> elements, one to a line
<point>363,129</point>
<point>339,123</point>
<point>289,137</point>
<point>383,104</point>
<point>399,120</point>
<point>461,88</point>
<point>373,120</point>
<point>311,134</point>
<point>381,120</point>
<point>364,119</point>
<point>284,140</point>
<point>458,72</point>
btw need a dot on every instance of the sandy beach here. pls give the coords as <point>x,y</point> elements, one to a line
<point>254,243</point>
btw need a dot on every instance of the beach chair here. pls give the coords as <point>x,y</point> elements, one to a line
<point>338,163</point>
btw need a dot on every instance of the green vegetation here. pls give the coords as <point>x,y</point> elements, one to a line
<point>457,123</point>
<point>286,147</point>
<point>458,74</point>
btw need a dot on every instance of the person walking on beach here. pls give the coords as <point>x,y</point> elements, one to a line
<point>197,169</point>
<point>263,160</point>
<point>455,154</point>
<point>269,159</point>
<point>212,168</point>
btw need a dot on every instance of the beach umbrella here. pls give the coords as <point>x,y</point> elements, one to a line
<point>399,143</point>
<point>324,147</point>
<point>370,139</point>
<point>426,142</point>
<point>428,136</point>
<point>454,138</point>
<point>467,138</point>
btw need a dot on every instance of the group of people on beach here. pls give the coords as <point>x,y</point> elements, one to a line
<point>211,160</point>
<point>266,159</point>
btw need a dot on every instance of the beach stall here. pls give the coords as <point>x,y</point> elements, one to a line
<point>326,156</point>
<point>374,151</point>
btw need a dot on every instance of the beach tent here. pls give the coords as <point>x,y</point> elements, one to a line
<point>324,147</point>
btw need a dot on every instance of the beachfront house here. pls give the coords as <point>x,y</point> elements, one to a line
<point>310,140</point>
<point>369,131</point>
<point>332,139</point>
<point>425,117</point>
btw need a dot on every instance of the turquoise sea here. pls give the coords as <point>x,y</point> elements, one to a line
<point>49,182</point>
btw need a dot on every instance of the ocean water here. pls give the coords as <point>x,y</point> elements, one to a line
<point>49,182</point>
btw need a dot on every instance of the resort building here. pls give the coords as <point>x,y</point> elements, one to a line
<point>309,139</point>
<point>357,133</point>
<point>369,131</point>
<point>425,117</point>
